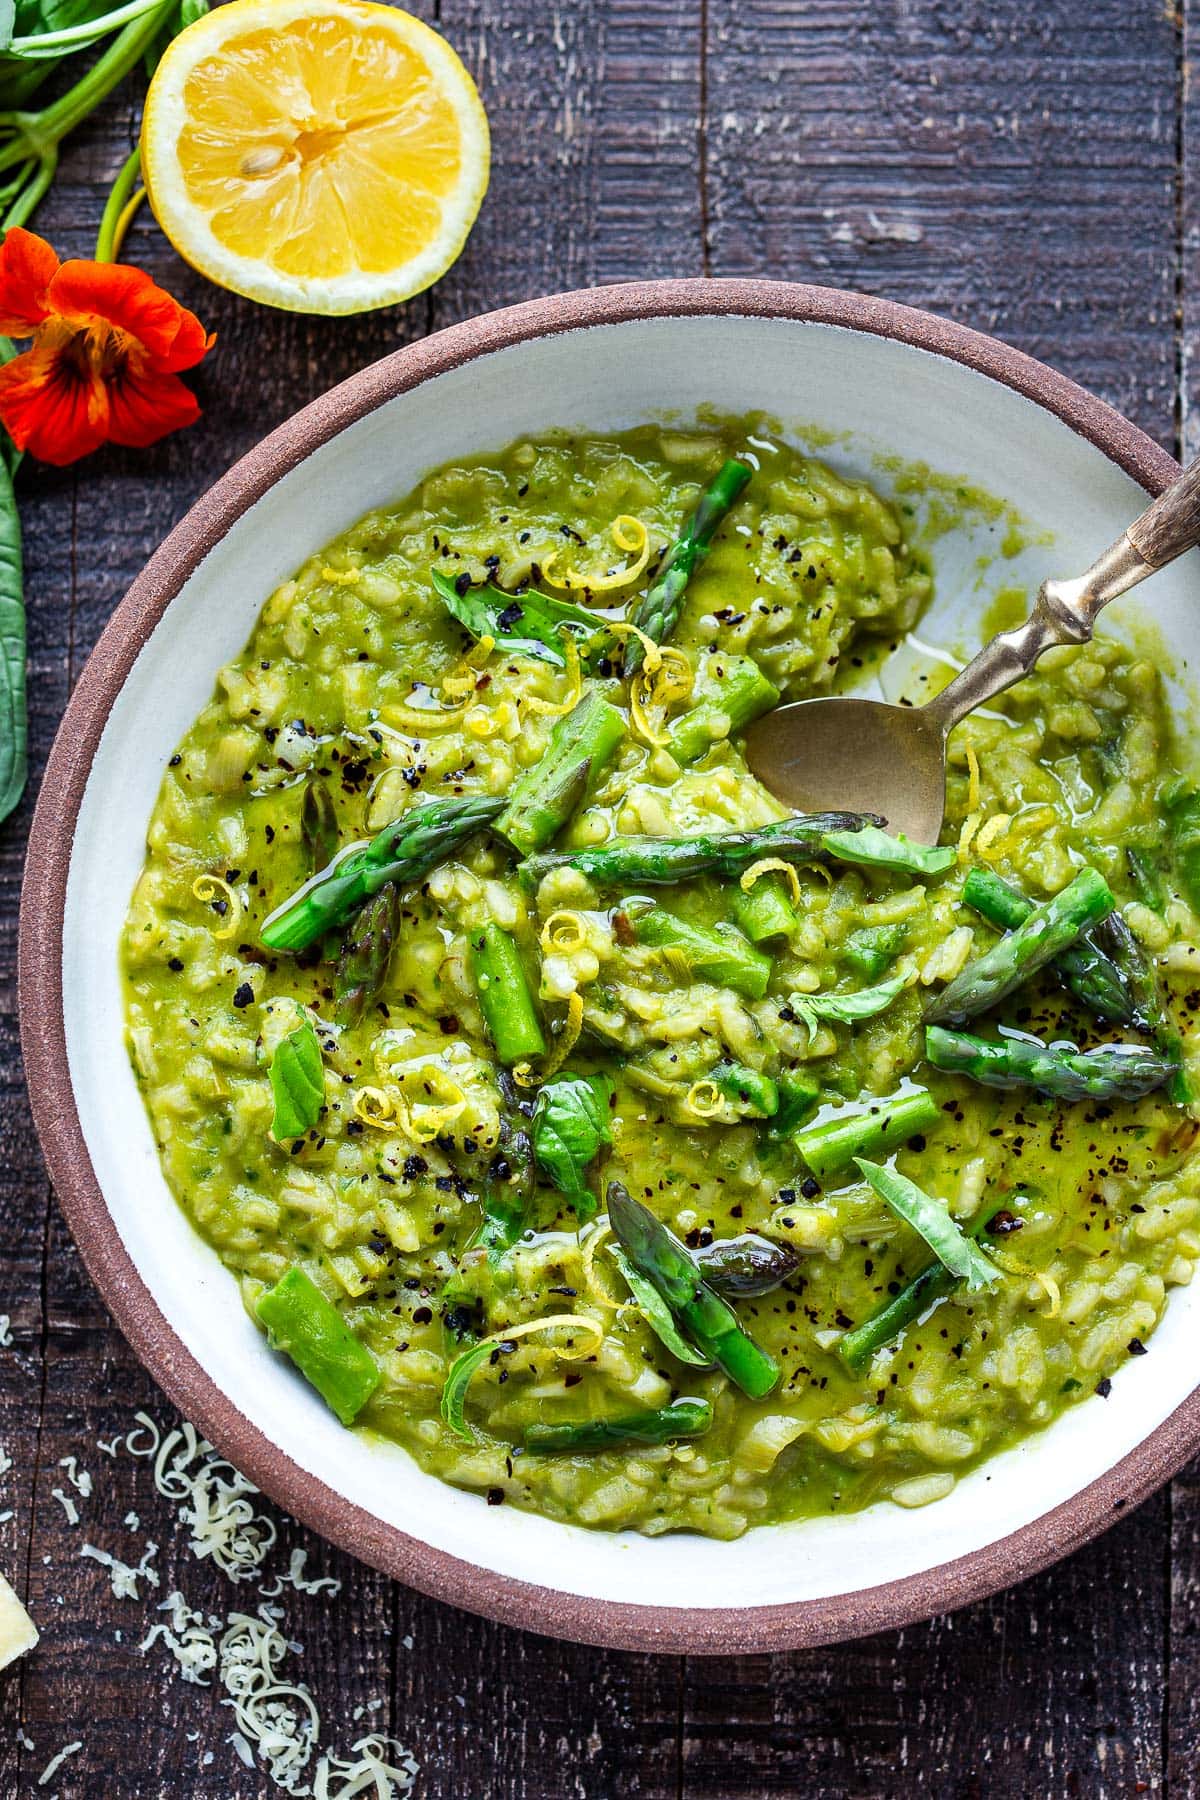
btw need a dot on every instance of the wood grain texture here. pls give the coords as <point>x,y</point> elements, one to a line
<point>1033,172</point>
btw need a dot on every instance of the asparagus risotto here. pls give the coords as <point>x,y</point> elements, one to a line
<point>624,1146</point>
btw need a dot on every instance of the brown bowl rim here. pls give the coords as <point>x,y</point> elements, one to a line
<point>579,1618</point>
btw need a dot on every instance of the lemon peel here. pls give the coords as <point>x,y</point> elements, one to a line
<point>211,889</point>
<point>628,534</point>
<point>557,709</point>
<point>621,628</point>
<point>524,1073</point>
<point>972,779</point>
<point>563,931</point>
<point>375,1107</point>
<point>341,577</point>
<point>990,839</point>
<point>704,1100</point>
<point>671,680</point>
<point>771,865</point>
<point>1012,1266</point>
<point>595,1238</point>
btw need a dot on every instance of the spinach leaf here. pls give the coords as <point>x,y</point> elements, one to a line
<point>845,1009</point>
<point>528,624</point>
<point>13,731</point>
<point>657,1313</point>
<point>570,1125</point>
<point>930,1218</point>
<point>297,1082</point>
<point>879,850</point>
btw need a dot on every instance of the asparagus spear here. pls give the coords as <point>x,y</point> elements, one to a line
<point>868,1128</point>
<point>720,954</point>
<point>504,995</point>
<point>404,852</point>
<point>747,1088</point>
<point>318,824</point>
<point>659,861</point>
<point>745,1266</point>
<point>734,690</point>
<point>1092,976</point>
<point>366,952</point>
<point>895,1316</point>
<point>765,911</point>
<point>709,1322</point>
<point>544,797</point>
<point>1145,873</point>
<point>1151,1013</point>
<point>1049,929</point>
<point>1109,1072</point>
<point>658,610</point>
<point>874,947</point>
<point>306,1326</point>
<point>798,1097</point>
<point>682,1419</point>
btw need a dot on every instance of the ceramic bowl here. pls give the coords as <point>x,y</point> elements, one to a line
<point>884,381</point>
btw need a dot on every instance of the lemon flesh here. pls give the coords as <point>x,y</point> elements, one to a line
<point>321,155</point>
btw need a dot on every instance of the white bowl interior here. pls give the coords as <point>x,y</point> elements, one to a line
<point>885,397</point>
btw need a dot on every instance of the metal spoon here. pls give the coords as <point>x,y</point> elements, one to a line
<point>867,756</point>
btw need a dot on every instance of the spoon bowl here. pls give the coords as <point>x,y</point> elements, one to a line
<point>821,755</point>
<point>861,755</point>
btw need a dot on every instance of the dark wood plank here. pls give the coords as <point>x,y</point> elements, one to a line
<point>954,156</point>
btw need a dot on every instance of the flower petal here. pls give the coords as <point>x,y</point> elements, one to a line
<point>144,406</point>
<point>49,408</point>
<point>172,336</point>
<point>27,267</point>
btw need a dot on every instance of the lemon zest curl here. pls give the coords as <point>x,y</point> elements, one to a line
<point>211,889</point>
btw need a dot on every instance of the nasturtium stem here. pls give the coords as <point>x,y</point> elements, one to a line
<point>505,998</point>
<point>71,37</point>
<point>108,238</point>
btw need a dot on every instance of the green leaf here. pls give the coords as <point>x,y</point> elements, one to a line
<point>13,729</point>
<point>931,1219</point>
<point>657,1313</point>
<point>845,1009</point>
<point>570,1126</point>
<point>458,1380</point>
<point>528,624</point>
<point>879,850</point>
<point>297,1082</point>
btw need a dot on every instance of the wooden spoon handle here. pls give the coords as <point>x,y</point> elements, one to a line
<point>1172,524</point>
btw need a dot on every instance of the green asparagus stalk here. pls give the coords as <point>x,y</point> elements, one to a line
<point>1151,1012</point>
<point>747,1088</point>
<point>1109,1072</point>
<point>720,954</point>
<point>1145,873</point>
<point>403,852</point>
<point>1092,976</point>
<point>708,1321</point>
<point>682,1419</point>
<point>1046,932</point>
<point>733,691</point>
<point>306,1326</point>
<point>544,798</point>
<point>765,911</point>
<point>743,1267</point>
<point>660,861</point>
<point>318,824</point>
<point>867,1128</point>
<point>504,995</point>
<point>874,947</point>
<point>658,610</point>
<point>366,952</point>
<point>798,1097</point>
<point>934,1283</point>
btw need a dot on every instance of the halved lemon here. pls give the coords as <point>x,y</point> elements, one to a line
<point>325,156</point>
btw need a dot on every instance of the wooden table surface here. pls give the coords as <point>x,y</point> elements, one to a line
<point>1029,170</point>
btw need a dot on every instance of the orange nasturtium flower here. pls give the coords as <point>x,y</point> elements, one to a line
<point>103,367</point>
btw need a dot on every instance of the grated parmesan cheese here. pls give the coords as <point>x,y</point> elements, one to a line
<point>124,1579</point>
<point>67,1504</point>
<point>212,1498</point>
<point>79,1478</point>
<point>6,1336</point>
<point>296,1578</point>
<point>56,1762</point>
<point>187,1637</point>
